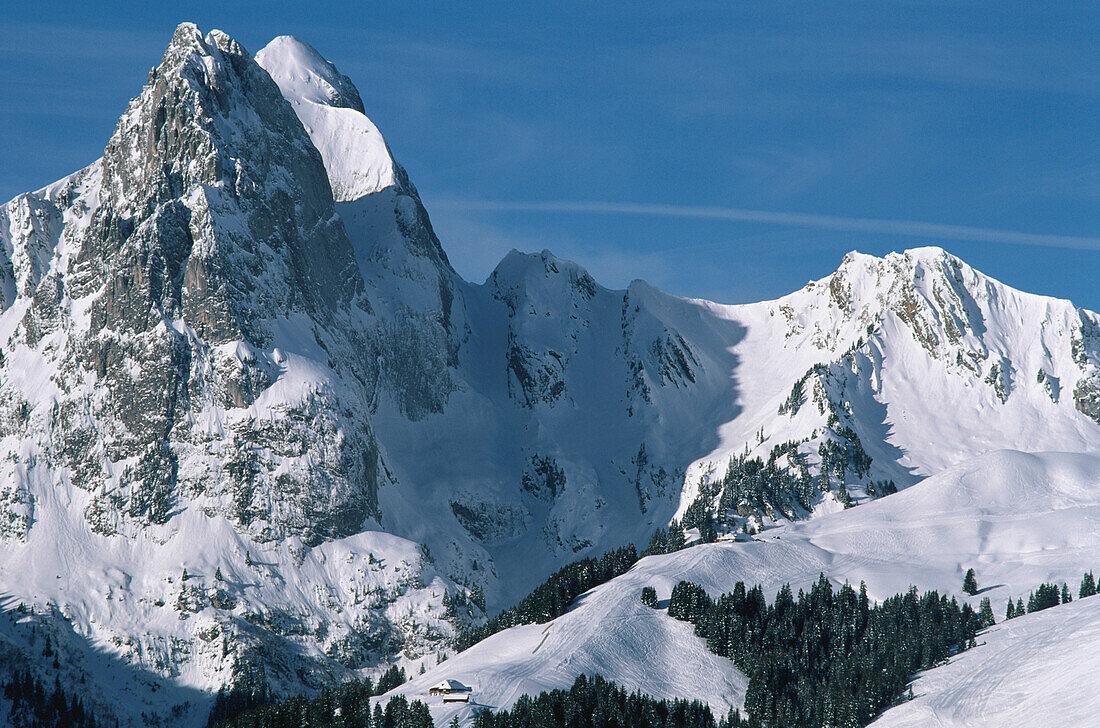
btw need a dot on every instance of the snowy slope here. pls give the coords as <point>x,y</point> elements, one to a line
<point>1018,519</point>
<point>356,157</point>
<point>1037,670</point>
<point>930,361</point>
<point>610,633</point>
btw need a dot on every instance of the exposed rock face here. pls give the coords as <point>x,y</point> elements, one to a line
<point>210,227</point>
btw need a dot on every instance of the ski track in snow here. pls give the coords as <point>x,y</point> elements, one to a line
<point>1036,670</point>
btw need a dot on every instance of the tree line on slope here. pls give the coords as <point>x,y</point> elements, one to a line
<point>827,657</point>
<point>552,598</point>
<point>598,703</point>
<point>328,710</point>
<point>344,706</point>
<point>1050,595</point>
<point>590,703</point>
<point>250,702</point>
<point>32,705</point>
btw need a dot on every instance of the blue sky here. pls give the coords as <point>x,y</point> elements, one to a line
<point>729,152</point>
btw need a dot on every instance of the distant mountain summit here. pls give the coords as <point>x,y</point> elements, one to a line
<point>252,423</point>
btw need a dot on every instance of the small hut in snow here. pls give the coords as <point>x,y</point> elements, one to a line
<point>450,687</point>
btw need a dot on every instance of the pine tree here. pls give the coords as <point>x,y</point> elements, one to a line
<point>649,596</point>
<point>390,679</point>
<point>985,613</point>
<point>970,582</point>
<point>1088,585</point>
<point>418,716</point>
<point>477,597</point>
<point>658,543</point>
<point>676,538</point>
<point>1066,598</point>
<point>1044,597</point>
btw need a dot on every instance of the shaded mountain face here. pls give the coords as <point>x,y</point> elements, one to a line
<point>250,415</point>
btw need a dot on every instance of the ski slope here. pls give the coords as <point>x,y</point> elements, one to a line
<point>1037,670</point>
<point>609,632</point>
<point>1018,519</point>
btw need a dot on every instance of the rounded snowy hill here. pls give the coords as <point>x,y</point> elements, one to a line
<point>1018,519</point>
<point>1037,670</point>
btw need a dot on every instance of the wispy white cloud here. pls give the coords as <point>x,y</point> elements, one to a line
<point>874,226</point>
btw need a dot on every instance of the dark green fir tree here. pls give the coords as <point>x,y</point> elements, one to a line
<point>1088,585</point>
<point>985,613</point>
<point>970,582</point>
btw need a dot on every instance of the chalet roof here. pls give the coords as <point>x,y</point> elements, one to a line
<point>449,684</point>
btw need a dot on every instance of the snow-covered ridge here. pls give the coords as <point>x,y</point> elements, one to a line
<point>304,75</point>
<point>356,156</point>
<point>928,360</point>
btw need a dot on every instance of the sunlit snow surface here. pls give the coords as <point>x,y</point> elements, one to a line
<point>356,157</point>
<point>1037,670</point>
<point>1017,519</point>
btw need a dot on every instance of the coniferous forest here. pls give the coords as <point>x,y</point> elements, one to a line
<point>828,657</point>
<point>34,705</point>
<point>345,706</point>
<point>598,703</point>
<point>249,703</point>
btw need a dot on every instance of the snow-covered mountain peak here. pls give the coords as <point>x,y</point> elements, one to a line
<point>952,311</point>
<point>357,159</point>
<point>303,74</point>
<point>919,357</point>
<point>211,151</point>
<point>540,278</point>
